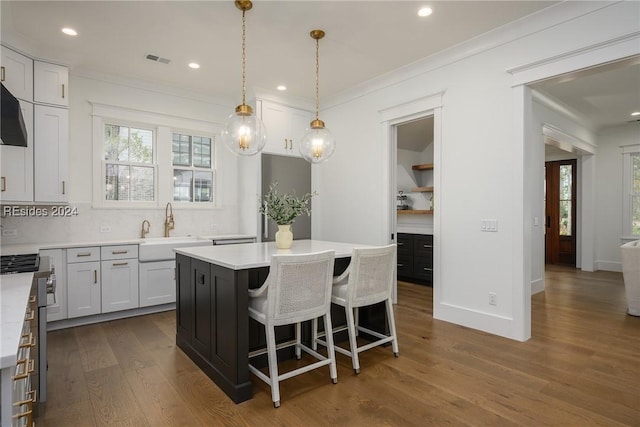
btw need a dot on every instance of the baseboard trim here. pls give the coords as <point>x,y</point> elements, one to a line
<point>609,266</point>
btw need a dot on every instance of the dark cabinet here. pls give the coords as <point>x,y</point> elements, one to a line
<point>202,313</point>
<point>415,258</point>
<point>183,297</point>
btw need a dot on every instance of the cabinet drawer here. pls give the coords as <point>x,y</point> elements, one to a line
<point>119,252</point>
<point>423,270</point>
<point>405,266</point>
<point>404,244</point>
<point>91,253</point>
<point>423,244</point>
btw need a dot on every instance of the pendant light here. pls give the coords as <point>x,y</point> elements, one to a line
<point>317,143</point>
<point>244,133</point>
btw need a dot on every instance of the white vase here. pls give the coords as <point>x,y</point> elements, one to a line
<point>284,237</point>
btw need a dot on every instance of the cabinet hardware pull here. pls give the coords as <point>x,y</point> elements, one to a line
<point>120,264</point>
<point>427,246</point>
<point>400,244</point>
<point>285,143</point>
<point>30,316</point>
<point>84,254</point>
<point>28,371</point>
<point>32,299</point>
<point>400,265</point>
<point>291,144</point>
<point>427,269</point>
<point>119,252</point>
<point>23,414</point>
<point>31,399</point>
<point>4,183</point>
<point>31,342</point>
<point>63,187</point>
<point>95,276</point>
<point>63,91</point>
<point>201,279</point>
<point>2,76</point>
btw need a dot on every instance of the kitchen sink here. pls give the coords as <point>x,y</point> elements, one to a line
<point>161,248</point>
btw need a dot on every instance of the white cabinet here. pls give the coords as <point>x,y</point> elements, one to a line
<point>57,302</point>
<point>83,281</point>
<point>16,73</point>
<point>157,283</point>
<point>285,127</point>
<point>51,141</point>
<point>119,278</point>
<point>50,83</point>
<point>16,182</point>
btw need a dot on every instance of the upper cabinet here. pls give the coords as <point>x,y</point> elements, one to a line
<point>16,74</point>
<point>51,84</point>
<point>51,154</point>
<point>16,182</point>
<point>285,127</point>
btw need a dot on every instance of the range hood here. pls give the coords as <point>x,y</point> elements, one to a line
<point>12,128</point>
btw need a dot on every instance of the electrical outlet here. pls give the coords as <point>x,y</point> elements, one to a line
<point>105,229</point>
<point>493,298</point>
<point>9,232</point>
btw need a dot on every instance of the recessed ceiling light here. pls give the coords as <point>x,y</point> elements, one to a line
<point>194,65</point>
<point>425,11</point>
<point>636,113</point>
<point>281,87</point>
<point>69,31</point>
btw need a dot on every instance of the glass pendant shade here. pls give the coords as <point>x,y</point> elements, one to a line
<point>244,133</point>
<point>317,143</point>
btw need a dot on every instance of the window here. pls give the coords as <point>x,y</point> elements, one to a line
<point>192,172</point>
<point>128,158</point>
<point>631,186</point>
<point>566,189</point>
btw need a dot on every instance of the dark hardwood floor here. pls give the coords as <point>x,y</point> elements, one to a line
<point>580,368</point>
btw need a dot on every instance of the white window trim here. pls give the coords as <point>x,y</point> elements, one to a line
<point>164,125</point>
<point>627,151</point>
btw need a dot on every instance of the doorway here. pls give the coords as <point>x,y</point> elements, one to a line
<point>560,212</point>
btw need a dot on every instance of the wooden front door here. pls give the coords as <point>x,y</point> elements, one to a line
<point>560,211</point>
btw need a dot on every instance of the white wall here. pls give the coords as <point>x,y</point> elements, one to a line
<point>126,223</point>
<point>608,201</point>
<point>481,168</point>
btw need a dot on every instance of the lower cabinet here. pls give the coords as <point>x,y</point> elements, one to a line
<point>119,277</point>
<point>83,289</point>
<point>157,283</point>
<point>415,258</point>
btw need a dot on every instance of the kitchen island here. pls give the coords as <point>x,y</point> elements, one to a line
<point>212,315</point>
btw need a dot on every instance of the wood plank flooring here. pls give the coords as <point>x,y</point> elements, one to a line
<point>580,368</point>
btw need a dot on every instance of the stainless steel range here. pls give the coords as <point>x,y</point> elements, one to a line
<point>43,282</point>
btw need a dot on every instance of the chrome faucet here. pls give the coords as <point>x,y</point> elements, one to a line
<point>169,224</point>
<point>145,231</point>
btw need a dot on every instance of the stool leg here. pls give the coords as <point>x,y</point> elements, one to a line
<point>353,343</point>
<point>298,353</point>
<point>273,365</point>
<point>331,354</point>
<point>392,326</point>
<point>314,334</point>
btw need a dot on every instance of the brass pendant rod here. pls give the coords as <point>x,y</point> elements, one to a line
<point>244,55</point>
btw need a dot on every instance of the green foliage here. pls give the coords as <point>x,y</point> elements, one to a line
<point>284,208</point>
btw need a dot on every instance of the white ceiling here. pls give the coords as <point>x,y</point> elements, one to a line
<point>364,40</point>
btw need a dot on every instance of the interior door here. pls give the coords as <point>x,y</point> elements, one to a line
<point>560,211</point>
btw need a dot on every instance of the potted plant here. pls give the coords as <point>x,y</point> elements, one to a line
<point>284,209</point>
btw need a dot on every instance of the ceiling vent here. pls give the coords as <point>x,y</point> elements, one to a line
<point>156,58</point>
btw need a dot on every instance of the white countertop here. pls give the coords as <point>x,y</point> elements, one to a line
<point>14,297</point>
<point>251,255</point>
<point>32,248</point>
